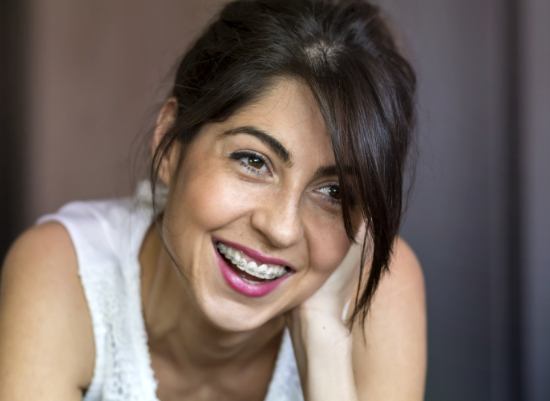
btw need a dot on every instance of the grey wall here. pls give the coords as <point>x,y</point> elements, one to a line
<point>477,217</point>
<point>457,218</point>
<point>535,130</point>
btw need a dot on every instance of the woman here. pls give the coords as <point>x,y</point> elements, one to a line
<point>281,153</point>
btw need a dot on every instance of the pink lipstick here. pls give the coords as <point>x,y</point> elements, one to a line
<point>242,282</point>
<point>255,255</point>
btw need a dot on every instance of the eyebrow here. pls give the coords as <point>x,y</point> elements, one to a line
<point>325,171</point>
<point>267,139</point>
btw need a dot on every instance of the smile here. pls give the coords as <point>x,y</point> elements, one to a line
<point>241,262</point>
<point>248,272</point>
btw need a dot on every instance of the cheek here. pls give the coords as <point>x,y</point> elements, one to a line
<point>206,199</point>
<point>328,244</point>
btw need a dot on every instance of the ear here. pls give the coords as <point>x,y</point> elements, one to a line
<point>165,121</point>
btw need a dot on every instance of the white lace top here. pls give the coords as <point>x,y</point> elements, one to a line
<point>107,236</point>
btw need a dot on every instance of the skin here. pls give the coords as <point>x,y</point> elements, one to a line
<point>208,342</point>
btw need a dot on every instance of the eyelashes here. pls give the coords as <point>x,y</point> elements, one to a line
<point>258,165</point>
<point>252,162</point>
<point>332,192</point>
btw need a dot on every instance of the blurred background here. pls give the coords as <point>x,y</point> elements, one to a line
<point>80,83</point>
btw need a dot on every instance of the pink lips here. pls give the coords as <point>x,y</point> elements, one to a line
<point>257,256</point>
<point>243,286</point>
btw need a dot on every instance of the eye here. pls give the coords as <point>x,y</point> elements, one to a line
<point>252,162</point>
<point>331,192</point>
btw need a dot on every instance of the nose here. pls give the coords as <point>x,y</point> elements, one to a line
<point>278,219</point>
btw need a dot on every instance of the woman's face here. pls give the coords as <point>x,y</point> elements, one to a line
<point>253,218</point>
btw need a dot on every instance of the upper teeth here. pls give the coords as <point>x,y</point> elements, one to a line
<point>262,271</point>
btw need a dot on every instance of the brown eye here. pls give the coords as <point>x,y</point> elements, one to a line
<point>251,162</point>
<point>331,192</point>
<point>255,162</point>
<point>334,192</point>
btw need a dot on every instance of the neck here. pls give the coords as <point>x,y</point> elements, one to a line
<point>177,328</point>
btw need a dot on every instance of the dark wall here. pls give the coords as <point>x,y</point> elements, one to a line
<point>12,127</point>
<point>535,189</point>
<point>479,216</point>
<point>457,218</point>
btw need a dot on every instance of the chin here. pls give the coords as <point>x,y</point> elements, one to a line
<point>231,316</point>
<point>231,299</point>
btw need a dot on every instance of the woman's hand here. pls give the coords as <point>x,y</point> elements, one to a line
<point>337,295</point>
<point>335,364</point>
<point>322,341</point>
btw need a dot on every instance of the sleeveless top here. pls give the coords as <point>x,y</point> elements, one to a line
<point>107,236</point>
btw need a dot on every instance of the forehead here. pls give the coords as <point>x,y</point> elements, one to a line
<point>289,112</point>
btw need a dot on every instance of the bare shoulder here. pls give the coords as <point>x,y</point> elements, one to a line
<point>405,273</point>
<point>391,362</point>
<point>46,339</point>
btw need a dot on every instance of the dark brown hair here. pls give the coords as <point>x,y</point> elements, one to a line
<point>345,53</point>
